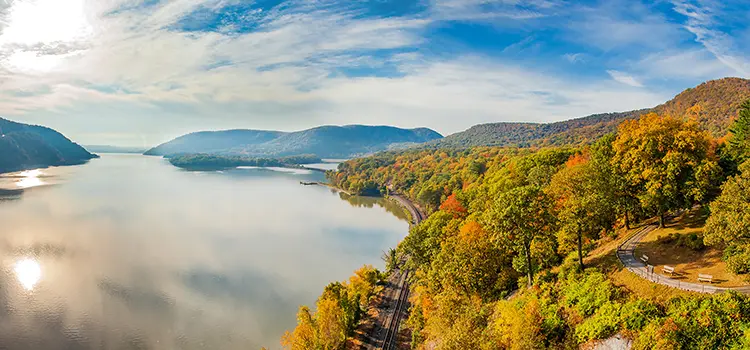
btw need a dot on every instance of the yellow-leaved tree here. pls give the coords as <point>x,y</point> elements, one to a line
<point>670,162</point>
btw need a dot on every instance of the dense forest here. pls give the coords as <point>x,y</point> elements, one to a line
<point>541,222</point>
<point>719,100</point>
<point>25,146</point>
<point>216,162</point>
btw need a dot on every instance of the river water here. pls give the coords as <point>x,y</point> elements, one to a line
<point>128,252</point>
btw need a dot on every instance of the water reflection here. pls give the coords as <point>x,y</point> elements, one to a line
<point>29,178</point>
<point>28,272</point>
<point>371,202</point>
<point>130,252</point>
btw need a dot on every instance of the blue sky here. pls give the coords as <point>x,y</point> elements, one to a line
<point>135,72</point>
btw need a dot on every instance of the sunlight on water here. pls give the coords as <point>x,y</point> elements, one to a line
<point>28,272</point>
<point>29,178</point>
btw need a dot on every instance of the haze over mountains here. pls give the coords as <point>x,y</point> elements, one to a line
<point>719,101</point>
<point>325,141</point>
<point>25,146</point>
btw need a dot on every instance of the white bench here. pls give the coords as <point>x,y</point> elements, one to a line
<point>705,278</point>
<point>644,258</point>
<point>668,269</point>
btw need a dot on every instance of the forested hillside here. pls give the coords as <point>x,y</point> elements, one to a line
<point>570,132</point>
<point>325,141</point>
<point>25,146</point>
<point>506,219</point>
<point>719,101</point>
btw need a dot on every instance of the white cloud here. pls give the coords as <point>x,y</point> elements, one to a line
<point>471,91</point>
<point>624,78</point>
<point>622,25</point>
<point>682,64</point>
<point>702,17</point>
<point>130,71</point>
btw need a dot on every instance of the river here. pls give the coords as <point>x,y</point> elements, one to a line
<point>128,252</point>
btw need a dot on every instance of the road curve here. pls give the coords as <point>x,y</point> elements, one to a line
<point>626,255</point>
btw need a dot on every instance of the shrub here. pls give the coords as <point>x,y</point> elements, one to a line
<point>693,241</point>
<point>587,293</point>
<point>602,324</point>
<point>737,259</point>
<point>636,314</point>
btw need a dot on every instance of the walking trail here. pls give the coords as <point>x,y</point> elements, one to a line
<point>626,254</point>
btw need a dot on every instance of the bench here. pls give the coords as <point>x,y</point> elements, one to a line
<point>644,258</point>
<point>705,278</point>
<point>668,269</point>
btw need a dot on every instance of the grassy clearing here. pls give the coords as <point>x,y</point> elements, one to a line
<point>688,263</point>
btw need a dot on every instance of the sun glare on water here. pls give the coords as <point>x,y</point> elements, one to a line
<point>29,178</point>
<point>28,271</point>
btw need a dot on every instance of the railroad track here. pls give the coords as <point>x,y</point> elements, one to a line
<point>390,341</point>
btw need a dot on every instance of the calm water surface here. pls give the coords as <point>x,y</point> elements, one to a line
<point>128,252</point>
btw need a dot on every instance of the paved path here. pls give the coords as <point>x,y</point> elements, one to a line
<point>626,251</point>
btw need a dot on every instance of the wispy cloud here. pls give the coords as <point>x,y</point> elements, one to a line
<point>624,78</point>
<point>574,57</point>
<point>157,68</point>
<point>704,20</point>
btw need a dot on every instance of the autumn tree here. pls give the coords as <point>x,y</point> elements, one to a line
<point>521,216</point>
<point>331,322</point>
<point>584,200</point>
<point>670,161</point>
<point>304,336</point>
<point>453,206</point>
<point>472,264</point>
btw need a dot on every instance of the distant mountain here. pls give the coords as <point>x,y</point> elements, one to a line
<point>719,101</point>
<point>113,149</point>
<point>325,141</point>
<point>25,146</point>
<point>569,132</point>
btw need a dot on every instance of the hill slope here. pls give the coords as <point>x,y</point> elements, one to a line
<point>719,101</point>
<point>25,146</point>
<point>324,141</point>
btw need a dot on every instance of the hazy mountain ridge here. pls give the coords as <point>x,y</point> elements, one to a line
<point>24,146</point>
<point>719,100</point>
<point>323,141</point>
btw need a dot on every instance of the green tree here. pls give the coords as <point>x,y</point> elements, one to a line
<point>669,160</point>
<point>521,216</point>
<point>624,194</point>
<point>729,221</point>
<point>739,142</point>
<point>584,201</point>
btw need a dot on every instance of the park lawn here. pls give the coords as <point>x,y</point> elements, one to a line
<point>688,263</point>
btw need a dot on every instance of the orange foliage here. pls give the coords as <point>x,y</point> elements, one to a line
<point>453,206</point>
<point>576,159</point>
<point>471,232</point>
